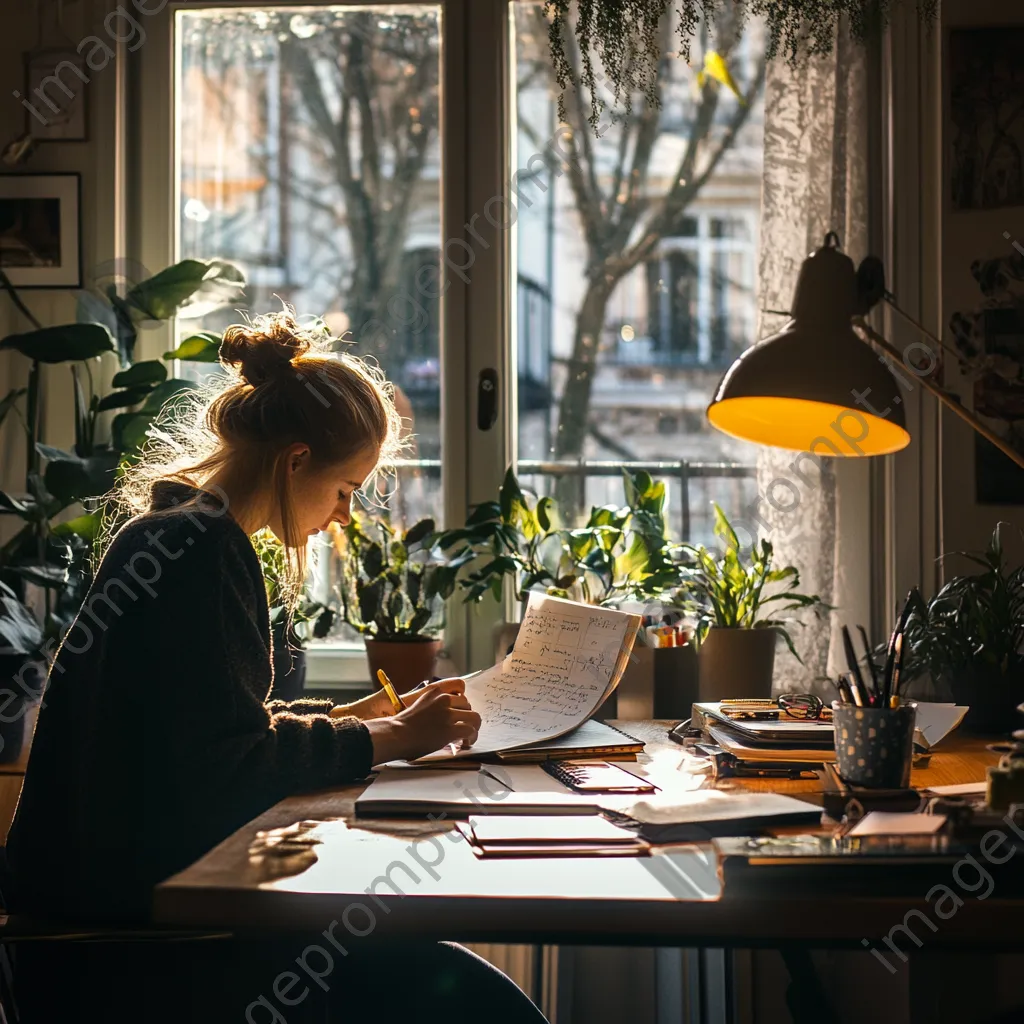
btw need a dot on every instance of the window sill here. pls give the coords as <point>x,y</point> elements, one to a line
<point>337,667</point>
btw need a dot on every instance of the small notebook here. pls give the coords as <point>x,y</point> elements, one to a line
<point>567,659</point>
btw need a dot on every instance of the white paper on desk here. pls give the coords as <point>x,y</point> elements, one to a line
<point>934,722</point>
<point>960,789</point>
<point>567,659</point>
<point>897,823</point>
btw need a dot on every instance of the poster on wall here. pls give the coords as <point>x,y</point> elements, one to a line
<point>986,83</point>
<point>990,342</point>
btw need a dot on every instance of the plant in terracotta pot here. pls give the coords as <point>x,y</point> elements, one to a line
<point>393,588</point>
<point>969,639</point>
<point>741,607</point>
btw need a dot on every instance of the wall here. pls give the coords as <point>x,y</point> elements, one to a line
<point>96,160</point>
<point>968,235</point>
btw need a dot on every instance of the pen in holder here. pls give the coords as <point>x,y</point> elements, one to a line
<point>874,746</point>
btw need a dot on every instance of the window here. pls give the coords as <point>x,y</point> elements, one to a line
<point>308,152</point>
<point>635,279</point>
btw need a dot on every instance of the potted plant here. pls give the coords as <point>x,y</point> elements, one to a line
<point>969,639</point>
<point>393,588</point>
<point>291,627</point>
<point>620,553</point>
<point>51,556</point>
<point>729,598</point>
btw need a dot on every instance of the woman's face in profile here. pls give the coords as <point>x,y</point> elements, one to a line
<point>323,495</point>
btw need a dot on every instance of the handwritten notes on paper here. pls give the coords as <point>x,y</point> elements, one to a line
<point>567,658</point>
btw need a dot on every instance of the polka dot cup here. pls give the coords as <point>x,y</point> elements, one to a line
<point>874,746</point>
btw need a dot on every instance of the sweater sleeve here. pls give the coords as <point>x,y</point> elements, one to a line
<point>305,706</point>
<point>216,722</point>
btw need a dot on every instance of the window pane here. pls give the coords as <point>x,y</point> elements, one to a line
<point>308,153</point>
<point>635,276</point>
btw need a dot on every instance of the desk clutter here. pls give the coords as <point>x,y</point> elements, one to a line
<point>546,780</point>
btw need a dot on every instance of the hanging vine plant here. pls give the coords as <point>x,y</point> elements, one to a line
<point>625,37</point>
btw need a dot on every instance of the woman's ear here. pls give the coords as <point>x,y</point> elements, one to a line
<point>298,456</point>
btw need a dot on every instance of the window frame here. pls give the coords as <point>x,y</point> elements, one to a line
<point>473,92</point>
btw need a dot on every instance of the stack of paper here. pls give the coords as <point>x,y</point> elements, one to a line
<point>531,836</point>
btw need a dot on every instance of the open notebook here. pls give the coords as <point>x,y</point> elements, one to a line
<point>567,659</point>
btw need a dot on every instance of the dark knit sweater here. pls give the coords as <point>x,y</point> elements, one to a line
<point>155,740</point>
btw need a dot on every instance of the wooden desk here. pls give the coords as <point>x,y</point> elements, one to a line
<point>671,898</point>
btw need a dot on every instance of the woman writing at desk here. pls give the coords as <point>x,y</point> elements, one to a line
<point>155,740</point>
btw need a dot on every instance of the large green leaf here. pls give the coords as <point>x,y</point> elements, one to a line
<point>202,347</point>
<point>419,532</point>
<point>124,399</point>
<point>70,480</point>
<point>85,526</point>
<point>189,288</point>
<point>67,343</point>
<point>129,430</point>
<point>147,372</point>
<point>162,393</point>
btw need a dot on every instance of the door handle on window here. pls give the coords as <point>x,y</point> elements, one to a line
<point>487,399</point>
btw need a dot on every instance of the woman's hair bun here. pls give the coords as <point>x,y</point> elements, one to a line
<point>263,349</point>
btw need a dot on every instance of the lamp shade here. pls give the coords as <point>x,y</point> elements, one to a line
<point>815,386</point>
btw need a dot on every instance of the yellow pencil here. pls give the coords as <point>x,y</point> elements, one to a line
<point>389,689</point>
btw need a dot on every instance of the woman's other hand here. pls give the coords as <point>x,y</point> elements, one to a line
<point>440,715</point>
<point>377,705</point>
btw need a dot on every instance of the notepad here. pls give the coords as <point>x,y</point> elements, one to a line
<point>567,659</point>
<point>454,794</point>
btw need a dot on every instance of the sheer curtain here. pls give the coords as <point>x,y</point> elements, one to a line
<point>815,180</point>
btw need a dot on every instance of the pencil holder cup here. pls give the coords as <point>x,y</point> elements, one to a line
<point>874,746</point>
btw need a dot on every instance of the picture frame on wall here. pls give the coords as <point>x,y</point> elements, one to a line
<point>56,87</point>
<point>40,230</point>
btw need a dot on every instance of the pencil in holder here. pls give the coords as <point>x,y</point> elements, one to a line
<point>874,746</point>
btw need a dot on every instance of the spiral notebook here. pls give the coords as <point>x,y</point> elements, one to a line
<point>567,659</point>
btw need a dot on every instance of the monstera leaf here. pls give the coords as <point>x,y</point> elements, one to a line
<point>64,344</point>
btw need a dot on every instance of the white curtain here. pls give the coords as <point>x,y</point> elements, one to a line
<point>815,180</point>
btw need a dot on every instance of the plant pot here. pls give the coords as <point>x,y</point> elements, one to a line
<point>504,636</point>
<point>406,662</point>
<point>992,697</point>
<point>289,668</point>
<point>24,679</point>
<point>736,662</point>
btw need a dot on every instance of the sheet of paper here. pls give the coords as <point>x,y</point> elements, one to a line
<point>960,789</point>
<point>567,658</point>
<point>934,722</point>
<point>896,823</point>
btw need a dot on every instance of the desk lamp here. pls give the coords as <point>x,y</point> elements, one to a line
<point>827,382</point>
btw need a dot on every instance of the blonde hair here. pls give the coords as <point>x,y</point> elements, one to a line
<point>283,384</point>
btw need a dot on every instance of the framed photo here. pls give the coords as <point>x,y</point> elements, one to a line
<point>986,81</point>
<point>55,96</point>
<point>40,230</point>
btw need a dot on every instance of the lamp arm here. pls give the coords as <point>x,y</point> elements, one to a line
<point>880,344</point>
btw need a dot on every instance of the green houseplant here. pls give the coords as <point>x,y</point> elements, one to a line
<point>741,607</point>
<point>292,624</point>
<point>50,551</point>
<point>621,552</point>
<point>393,587</point>
<point>969,639</point>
